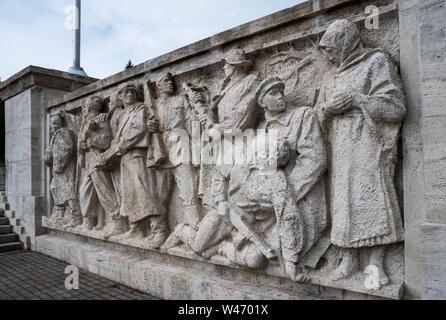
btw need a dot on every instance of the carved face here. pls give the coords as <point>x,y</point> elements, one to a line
<point>274,100</point>
<point>166,85</point>
<point>229,69</point>
<point>94,105</point>
<point>340,40</point>
<point>56,123</point>
<point>334,54</point>
<point>129,96</point>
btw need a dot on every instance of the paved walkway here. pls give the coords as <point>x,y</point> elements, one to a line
<point>32,276</point>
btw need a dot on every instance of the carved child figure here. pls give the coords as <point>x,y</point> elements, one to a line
<point>61,158</point>
<point>361,109</point>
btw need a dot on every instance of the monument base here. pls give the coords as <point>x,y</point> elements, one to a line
<point>178,278</point>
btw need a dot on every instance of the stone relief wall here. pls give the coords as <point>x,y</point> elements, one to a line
<point>135,165</point>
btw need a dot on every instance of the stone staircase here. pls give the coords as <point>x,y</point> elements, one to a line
<point>12,233</point>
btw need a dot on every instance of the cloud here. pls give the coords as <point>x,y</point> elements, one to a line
<point>114,31</point>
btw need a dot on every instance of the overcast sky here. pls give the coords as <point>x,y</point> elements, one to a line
<point>114,31</point>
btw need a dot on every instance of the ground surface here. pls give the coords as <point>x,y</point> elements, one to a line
<point>32,276</point>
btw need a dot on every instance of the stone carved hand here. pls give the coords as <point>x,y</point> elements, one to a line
<point>341,103</point>
<point>92,125</point>
<point>103,117</point>
<point>59,169</point>
<point>255,207</point>
<point>122,147</point>
<point>294,272</point>
<point>101,164</point>
<point>153,125</point>
<point>203,119</point>
<point>82,144</point>
<point>48,156</point>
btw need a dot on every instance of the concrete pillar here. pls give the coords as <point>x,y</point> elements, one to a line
<point>423,69</point>
<point>26,96</point>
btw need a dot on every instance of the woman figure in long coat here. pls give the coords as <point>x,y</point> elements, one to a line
<point>361,109</point>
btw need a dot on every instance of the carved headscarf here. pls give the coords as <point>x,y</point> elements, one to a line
<point>342,34</point>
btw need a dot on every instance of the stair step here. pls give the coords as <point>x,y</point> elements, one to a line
<point>4,206</point>
<point>11,246</point>
<point>2,213</point>
<point>4,221</point>
<point>10,214</point>
<point>10,237</point>
<point>20,230</point>
<point>5,229</point>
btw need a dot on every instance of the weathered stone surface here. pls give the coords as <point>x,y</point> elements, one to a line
<point>26,96</point>
<point>321,207</point>
<point>36,76</point>
<point>178,278</point>
<point>422,41</point>
<point>269,210</point>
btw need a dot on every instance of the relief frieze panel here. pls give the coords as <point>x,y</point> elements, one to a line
<point>280,161</point>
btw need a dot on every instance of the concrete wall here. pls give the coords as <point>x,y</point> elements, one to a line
<point>27,95</point>
<point>420,48</point>
<point>25,137</point>
<point>423,68</point>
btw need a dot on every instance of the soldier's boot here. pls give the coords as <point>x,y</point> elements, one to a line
<point>158,232</point>
<point>349,265</point>
<point>296,273</point>
<point>73,217</point>
<point>88,224</point>
<point>101,221</point>
<point>57,216</point>
<point>114,227</point>
<point>175,238</point>
<point>192,215</point>
<point>74,223</point>
<point>136,232</point>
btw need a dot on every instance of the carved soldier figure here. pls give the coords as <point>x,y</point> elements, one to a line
<point>361,108</point>
<point>96,189</point>
<point>273,216</point>
<point>200,119</point>
<point>236,102</point>
<point>260,222</point>
<point>61,158</point>
<point>171,115</point>
<point>129,146</point>
<point>262,215</point>
<point>308,159</point>
<point>237,110</point>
